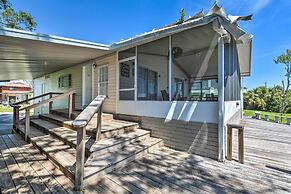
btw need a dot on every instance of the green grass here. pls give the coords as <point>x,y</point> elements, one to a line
<point>5,108</point>
<point>271,115</point>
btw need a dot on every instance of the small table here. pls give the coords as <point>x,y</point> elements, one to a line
<point>240,128</point>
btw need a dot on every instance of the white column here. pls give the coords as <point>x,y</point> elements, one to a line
<point>170,68</point>
<point>135,75</point>
<point>83,85</point>
<point>93,82</point>
<point>241,97</point>
<point>221,129</point>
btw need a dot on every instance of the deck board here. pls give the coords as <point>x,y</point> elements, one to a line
<point>24,170</point>
<point>267,167</point>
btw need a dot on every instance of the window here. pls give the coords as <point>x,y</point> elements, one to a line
<point>126,79</point>
<point>65,81</point>
<point>147,84</point>
<point>204,90</point>
<point>103,80</point>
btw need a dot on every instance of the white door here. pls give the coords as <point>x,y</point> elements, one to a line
<point>102,84</point>
<point>86,85</point>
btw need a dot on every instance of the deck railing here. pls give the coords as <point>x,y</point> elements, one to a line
<point>80,124</point>
<point>19,106</point>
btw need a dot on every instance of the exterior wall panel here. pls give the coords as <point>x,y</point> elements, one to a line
<point>193,137</point>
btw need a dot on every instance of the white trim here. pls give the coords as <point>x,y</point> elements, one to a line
<point>127,89</point>
<point>170,68</point>
<point>83,85</point>
<point>103,82</point>
<point>221,104</point>
<point>51,39</point>
<point>127,59</point>
<point>93,82</point>
<point>135,75</point>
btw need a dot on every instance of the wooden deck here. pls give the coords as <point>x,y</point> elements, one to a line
<point>267,168</point>
<point>24,170</point>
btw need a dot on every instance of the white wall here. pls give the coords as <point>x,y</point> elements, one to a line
<point>51,85</point>
<point>177,110</point>
<point>231,107</point>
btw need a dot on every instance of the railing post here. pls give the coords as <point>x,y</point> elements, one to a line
<point>80,158</point>
<point>27,123</point>
<point>50,104</point>
<point>99,122</point>
<point>16,122</point>
<point>14,118</point>
<point>70,105</point>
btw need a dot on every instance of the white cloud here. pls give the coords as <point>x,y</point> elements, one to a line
<point>260,5</point>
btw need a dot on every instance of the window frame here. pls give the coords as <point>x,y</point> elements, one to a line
<point>102,82</point>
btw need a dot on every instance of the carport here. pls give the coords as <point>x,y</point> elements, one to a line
<point>27,55</point>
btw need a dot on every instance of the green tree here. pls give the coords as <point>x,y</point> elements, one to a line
<point>182,16</point>
<point>15,19</point>
<point>285,59</point>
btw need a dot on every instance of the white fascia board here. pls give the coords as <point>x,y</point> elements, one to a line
<point>50,38</point>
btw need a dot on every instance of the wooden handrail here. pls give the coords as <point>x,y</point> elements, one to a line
<point>17,108</point>
<point>36,97</point>
<point>48,100</point>
<point>86,115</point>
<point>80,124</point>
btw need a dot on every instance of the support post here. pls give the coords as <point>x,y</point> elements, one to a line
<point>229,143</point>
<point>70,105</point>
<point>14,119</point>
<point>241,146</point>
<point>17,117</point>
<point>135,75</point>
<point>80,158</point>
<point>170,68</point>
<point>50,104</point>
<point>27,124</point>
<point>99,123</point>
<point>221,128</point>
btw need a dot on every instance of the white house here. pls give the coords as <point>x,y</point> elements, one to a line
<point>182,81</point>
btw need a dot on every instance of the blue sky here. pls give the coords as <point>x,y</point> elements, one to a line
<point>107,21</point>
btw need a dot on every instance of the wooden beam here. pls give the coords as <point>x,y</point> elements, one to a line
<point>181,68</point>
<point>193,52</point>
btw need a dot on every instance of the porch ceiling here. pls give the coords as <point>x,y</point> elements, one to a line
<point>29,55</point>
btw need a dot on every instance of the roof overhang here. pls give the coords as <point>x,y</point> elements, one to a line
<point>27,55</point>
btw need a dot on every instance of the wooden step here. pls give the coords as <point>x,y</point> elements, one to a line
<point>108,128</point>
<point>99,164</point>
<point>61,154</point>
<point>69,137</point>
<point>64,113</point>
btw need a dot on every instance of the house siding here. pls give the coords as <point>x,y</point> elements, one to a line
<point>232,74</point>
<point>193,137</point>
<point>51,85</point>
<point>110,102</point>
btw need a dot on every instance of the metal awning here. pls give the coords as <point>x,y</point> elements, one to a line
<point>26,55</point>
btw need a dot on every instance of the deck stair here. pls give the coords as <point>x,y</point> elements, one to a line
<point>121,142</point>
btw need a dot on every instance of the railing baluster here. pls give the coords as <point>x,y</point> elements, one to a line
<point>99,122</point>
<point>27,123</point>
<point>80,158</point>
